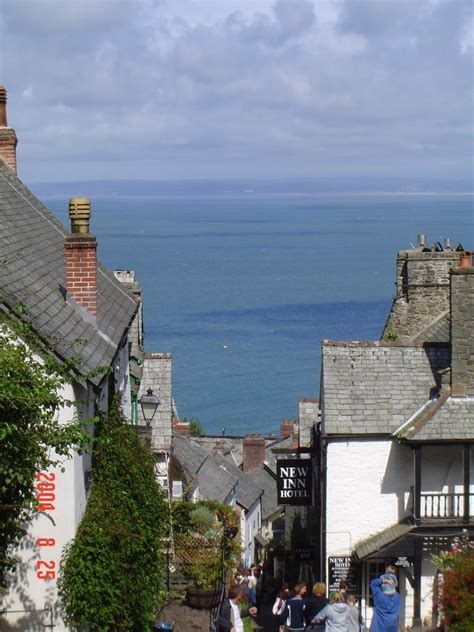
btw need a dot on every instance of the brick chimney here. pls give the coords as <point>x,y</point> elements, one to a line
<point>253,452</point>
<point>8,139</point>
<point>80,250</point>
<point>462,331</point>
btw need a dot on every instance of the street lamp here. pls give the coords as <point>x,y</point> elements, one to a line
<point>149,404</point>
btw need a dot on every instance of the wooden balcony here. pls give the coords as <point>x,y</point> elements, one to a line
<point>444,506</point>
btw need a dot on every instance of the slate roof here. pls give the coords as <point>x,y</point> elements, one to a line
<point>381,539</point>
<point>373,388</point>
<point>453,420</point>
<point>32,272</point>
<point>216,475</point>
<point>214,482</point>
<point>436,331</point>
<point>266,482</point>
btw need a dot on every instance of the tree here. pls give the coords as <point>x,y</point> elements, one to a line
<point>111,573</point>
<point>30,437</point>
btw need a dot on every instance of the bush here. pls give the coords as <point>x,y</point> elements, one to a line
<point>112,571</point>
<point>457,592</point>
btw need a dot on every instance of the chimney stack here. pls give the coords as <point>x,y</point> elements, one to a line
<point>253,452</point>
<point>80,251</point>
<point>462,331</point>
<point>8,139</point>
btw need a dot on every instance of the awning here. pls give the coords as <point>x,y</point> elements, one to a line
<point>380,540</point>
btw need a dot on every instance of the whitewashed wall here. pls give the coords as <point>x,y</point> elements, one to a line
<point>27,590</point>
<point>252,527</point>
<point>368,484</point>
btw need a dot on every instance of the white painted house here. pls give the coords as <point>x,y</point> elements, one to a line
<point>79,310</point>
<point>395,471</point>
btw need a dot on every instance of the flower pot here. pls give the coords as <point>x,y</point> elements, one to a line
<point>202,598</point>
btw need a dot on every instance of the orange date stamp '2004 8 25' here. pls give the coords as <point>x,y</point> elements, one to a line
<point>46,497</point>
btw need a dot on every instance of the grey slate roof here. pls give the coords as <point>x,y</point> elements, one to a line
<point>216,474</point>
<point>454,420</point>
<point>266,482</point>
<point>436,331</point>
<point>214,482</point>
<point>381,539</point>
<point>32,272</point>
<point>373,388</point>
<point>247,490</point>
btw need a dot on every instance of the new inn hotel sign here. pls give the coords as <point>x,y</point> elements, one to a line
<point>294,481</point>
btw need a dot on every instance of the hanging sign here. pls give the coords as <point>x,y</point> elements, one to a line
<point>294,481</point>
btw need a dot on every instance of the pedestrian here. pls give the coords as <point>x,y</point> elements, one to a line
<point>279,608</point>
<point>386,603</point>
<point>252,584</point>
<point>294,610</point>
<point>230,616</point>
<point>354,616</point>
<point>343,586</point>
<point>334,614</point>
<point>314,604</point>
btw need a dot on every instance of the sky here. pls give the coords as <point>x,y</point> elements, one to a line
<point>185,89</point>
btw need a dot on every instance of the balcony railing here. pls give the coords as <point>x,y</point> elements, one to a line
<point>444,506</point>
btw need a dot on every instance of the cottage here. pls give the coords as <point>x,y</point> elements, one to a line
<point>394,467</point>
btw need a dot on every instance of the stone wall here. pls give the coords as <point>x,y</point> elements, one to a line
<point>422,292</point>
<point>462,331</point>
<point>308,416</point>
<point>157,375</point>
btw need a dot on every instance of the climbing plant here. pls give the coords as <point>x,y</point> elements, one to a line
<point>111,573</point>
<point>30,437</point>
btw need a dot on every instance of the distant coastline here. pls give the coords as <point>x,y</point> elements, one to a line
<point>240,188</point>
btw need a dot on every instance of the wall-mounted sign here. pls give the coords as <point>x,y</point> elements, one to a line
<point>294,481</point>
<point>343,568</point>
<point>304,553</point>
<point>403,561</point>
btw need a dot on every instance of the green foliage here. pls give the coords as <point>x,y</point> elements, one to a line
<point>29,402</point>
<point>457,592</point>
<point>195,427</point>
<point>202,533</point>
<point>391,336</point>
<point>112,571</point>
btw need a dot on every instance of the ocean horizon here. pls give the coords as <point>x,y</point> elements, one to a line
<point>242,288</point>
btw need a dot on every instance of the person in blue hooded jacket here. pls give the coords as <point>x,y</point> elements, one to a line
<point>386,605</point>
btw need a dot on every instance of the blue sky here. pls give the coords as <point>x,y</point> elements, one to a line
<point>157,89</point>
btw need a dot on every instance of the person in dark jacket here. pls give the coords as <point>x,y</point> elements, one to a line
<point>230,616</point>
<point>314,604</point>
<point>294,610</point>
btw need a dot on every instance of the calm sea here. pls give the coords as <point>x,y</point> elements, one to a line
<point>242,289</point>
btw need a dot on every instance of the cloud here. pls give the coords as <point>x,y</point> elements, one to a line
<point>150,88</point>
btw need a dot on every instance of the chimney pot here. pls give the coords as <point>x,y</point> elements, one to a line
<point>3,107</point>
<point>8,139</point>
<point>421,240</point>
<point>79,214</point>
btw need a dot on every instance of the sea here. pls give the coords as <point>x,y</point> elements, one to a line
<point>242,288</point>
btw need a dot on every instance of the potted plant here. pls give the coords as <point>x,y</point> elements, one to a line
<point>204,569</point>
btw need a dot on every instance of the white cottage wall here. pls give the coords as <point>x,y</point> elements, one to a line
<point>52,529</point>
<point>368,484</point>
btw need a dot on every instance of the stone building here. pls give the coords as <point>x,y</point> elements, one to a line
<point>394,471</point>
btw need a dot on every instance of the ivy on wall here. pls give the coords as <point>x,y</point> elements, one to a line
<point>30,397</point>
<point>111,573</point>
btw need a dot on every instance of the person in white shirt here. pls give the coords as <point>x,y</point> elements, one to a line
<point>230,615</point>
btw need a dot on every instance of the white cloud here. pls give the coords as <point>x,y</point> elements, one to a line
<point>215,89</point>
